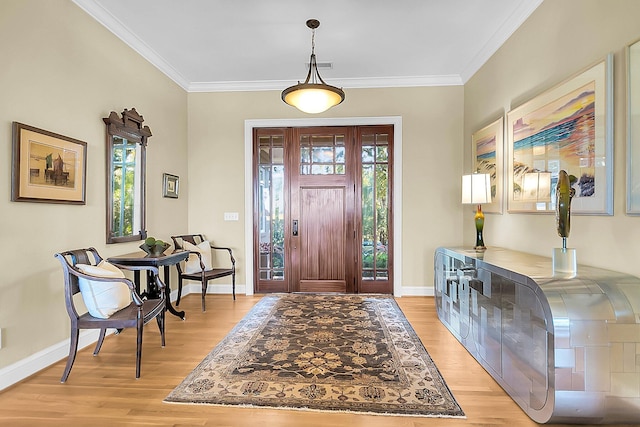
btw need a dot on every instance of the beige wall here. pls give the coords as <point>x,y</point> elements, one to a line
<point>431,164</point>
<point>63,72</point>
<point>561,38</point>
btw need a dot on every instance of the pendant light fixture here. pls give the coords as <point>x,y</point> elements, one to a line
<point>314,95</point>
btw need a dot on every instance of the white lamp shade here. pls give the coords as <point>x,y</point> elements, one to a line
<point>476,188</point>
<point>536,187</point>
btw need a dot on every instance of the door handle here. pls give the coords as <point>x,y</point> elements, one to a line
<point>295,227</point>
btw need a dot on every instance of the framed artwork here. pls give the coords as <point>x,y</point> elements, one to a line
<point>633,128</point>
<point>47,167</point>
<point>569,127</point>
<point>170,185</point>
<point>487,146</point>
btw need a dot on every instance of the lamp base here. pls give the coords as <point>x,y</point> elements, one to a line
<point>479,220</point>
<point>565,263</point>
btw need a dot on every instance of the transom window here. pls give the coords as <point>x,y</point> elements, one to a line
<point>322,155</point>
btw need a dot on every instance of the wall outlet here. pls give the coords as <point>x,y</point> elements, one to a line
<point>231,216</point>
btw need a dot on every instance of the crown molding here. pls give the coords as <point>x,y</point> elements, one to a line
<point>349,83</point>
<point>501,35</point>
<point>111,23</point>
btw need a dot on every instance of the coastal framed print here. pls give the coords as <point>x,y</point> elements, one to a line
<point>633,128</point>
<point>569,127</point>
<point>47,167</point>
<point>487,147</point>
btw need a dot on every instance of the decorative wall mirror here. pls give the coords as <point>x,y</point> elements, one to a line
<point>126,169</point>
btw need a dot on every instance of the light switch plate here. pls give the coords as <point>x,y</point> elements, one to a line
<point>231,216</point>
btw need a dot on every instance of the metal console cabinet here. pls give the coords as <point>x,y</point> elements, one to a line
<point>565,350</point>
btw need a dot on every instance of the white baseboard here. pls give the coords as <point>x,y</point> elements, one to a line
<point>44,358</point>
<point>24,368</point>
<point>417,291</point>
<point>225,288</point>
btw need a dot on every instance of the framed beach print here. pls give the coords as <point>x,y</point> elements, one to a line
<point>170,185</point>
<point>47,167</point>
<point>568,127</point>
<point>633,128</point>
<point>487,145</point>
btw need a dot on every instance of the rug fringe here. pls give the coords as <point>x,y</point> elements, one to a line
<point>303,409</point>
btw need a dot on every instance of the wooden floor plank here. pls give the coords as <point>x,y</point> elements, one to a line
<point>103,391</point>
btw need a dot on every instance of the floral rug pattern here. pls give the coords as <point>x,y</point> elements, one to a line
<point>355,353</point>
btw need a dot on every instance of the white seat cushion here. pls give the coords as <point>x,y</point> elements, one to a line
<point>193,262</point>
<point>103,298</point>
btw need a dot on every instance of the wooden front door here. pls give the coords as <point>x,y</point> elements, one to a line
<point>322,209</point>
<point>322,238</point>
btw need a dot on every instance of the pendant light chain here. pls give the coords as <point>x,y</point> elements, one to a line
<point>313,66</point>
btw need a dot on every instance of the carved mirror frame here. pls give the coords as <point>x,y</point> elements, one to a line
<point>122,131</point>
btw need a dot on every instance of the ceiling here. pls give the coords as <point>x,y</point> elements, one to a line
<point>234,45</point>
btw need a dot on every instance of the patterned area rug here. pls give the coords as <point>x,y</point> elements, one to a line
<point>354,353</point>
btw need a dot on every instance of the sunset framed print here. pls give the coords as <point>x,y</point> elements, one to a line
<point>568,127</point>
<point>47,167</point>
<point>487,147</point>
<point>633,128</point>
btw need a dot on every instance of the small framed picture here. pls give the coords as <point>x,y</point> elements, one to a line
<point>170,185</point>
<point>47,167</point>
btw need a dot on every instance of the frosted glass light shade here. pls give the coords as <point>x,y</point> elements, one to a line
<point>313,98</point>
<point>476,188</point>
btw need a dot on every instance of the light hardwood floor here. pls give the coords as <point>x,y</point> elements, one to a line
<point>103,391</point>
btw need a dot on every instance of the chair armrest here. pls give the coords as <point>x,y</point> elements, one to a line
<point>137,299</point>
<point>199,255</point>
<point>233,260</point>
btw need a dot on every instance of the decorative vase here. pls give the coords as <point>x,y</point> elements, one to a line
<point>154,250</point>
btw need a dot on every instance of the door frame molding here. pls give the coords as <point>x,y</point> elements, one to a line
<point>396,121</point>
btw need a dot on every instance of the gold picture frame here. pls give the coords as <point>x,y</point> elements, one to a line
<point>47,167</point>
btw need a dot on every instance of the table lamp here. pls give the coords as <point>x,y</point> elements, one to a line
<point>476,189</point>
